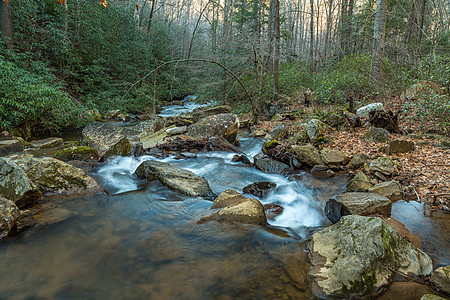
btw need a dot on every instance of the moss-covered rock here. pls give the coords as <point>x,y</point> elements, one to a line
<point>122,147</point>
<point>76,153</point>
<point>9,213</point>
<point>56,177</point>
<point>441,278</point>
<point>356,259</point>
<point>15,184</point>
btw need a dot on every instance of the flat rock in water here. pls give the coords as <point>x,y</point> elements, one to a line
<point>77,153</point>
<point>176,178</point>
<point>8,147</point>
<point>233,206</point>
<point>56,177</point>
<point>358,257</point>
<point>15,184</point>
<point>389,189</point>
<point>321,171</point>
<point>51,142</point>
<point>441,278</point>
<point>259,189</point>
<point>9,213</point>
<point>362,204</point>
<point>268,165</point>
<point>241,158</point>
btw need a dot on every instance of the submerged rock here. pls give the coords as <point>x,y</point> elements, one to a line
<point>357,204</point>
<point>441,279</point>
<point>51,142</point>
<point>356,259</point>
<point>259,189</point>
<point>241,158</point>
<point>175,178</point>
<point>56,177</point>
<point>224,125</point>
<point>232,206</point>
<point>15,184</point>
<point>9,213</point>
<point>8,147</point>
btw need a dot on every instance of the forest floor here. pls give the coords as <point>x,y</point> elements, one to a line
<point>423,172</point>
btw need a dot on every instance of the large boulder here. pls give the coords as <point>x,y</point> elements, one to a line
<point>8,147</point>
<point>123,148</point>
<point>353,203</point>
<point>389,189</point>
<point>398,146</point>
<point>55,177</point>
<point>333,157</point>
<point>232,206</point>
<point>441,279</point>
<point>377,135</point>
<point>315,129</point>
<point>206,111</point>
<point>307,154</point>
<point>9,213</point>
<point>383,165</point>
<point>268,165</point>
<point>403,231</point>
<point>16,186</point>
<point>175,178</point>
<point>358,257</point>
<point>224,125</point>
<point>364,111</point>
<point>50,142</point>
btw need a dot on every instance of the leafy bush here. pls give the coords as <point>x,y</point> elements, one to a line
<point>29,98</point>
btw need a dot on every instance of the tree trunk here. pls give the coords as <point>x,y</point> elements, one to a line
<point>150,18</point>
<point>378,39</point>
<point>311,36</point>
<point>276,59</point>
<point>6,31</point>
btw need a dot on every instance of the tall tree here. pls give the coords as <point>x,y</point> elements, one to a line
<point>378,39</point>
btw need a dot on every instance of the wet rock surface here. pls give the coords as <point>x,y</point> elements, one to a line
<point>260,188</point>
<point>175,178</point>
<point>356,259</point>
<point>9,213</point>
<point>268,165</point>
<point>321,171</point>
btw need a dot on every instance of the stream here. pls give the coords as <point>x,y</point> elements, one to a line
<point>142,241</point>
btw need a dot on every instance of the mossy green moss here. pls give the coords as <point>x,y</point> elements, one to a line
<point>77,153</point>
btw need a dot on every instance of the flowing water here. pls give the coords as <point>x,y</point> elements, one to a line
<point>142,240</point>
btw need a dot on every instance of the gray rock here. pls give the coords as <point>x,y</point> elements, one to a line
<point>234,207</point>
<point>356,259</point>
<point>259,189</point>
<point>320,171</point>
<point>378,135</point>
<point>397,146</point>
<point>8,147</point>
<point>201,112</point>
<point>176,130</point>
<point>307,154</point>
<point>176,178</point>
<point>354,203</point>
<point>359,183</point>
<point>384,165</point>
<point>50,142</point>
<point>9,213</point>
<point>441,278</point>
<point>358,160</point>
<point>268,165</point>
<point>315,129</point>
<point>16,186</point>
<point>278,133</point>
<point>76,153</point>
<point>333,157</point>
<point>392,190</point>
<point>224,125</point>
<point>364,111</point>
<point>56,177</point>
<point>241,158</point>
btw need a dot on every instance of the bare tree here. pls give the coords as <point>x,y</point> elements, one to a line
<point>378,39</point>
